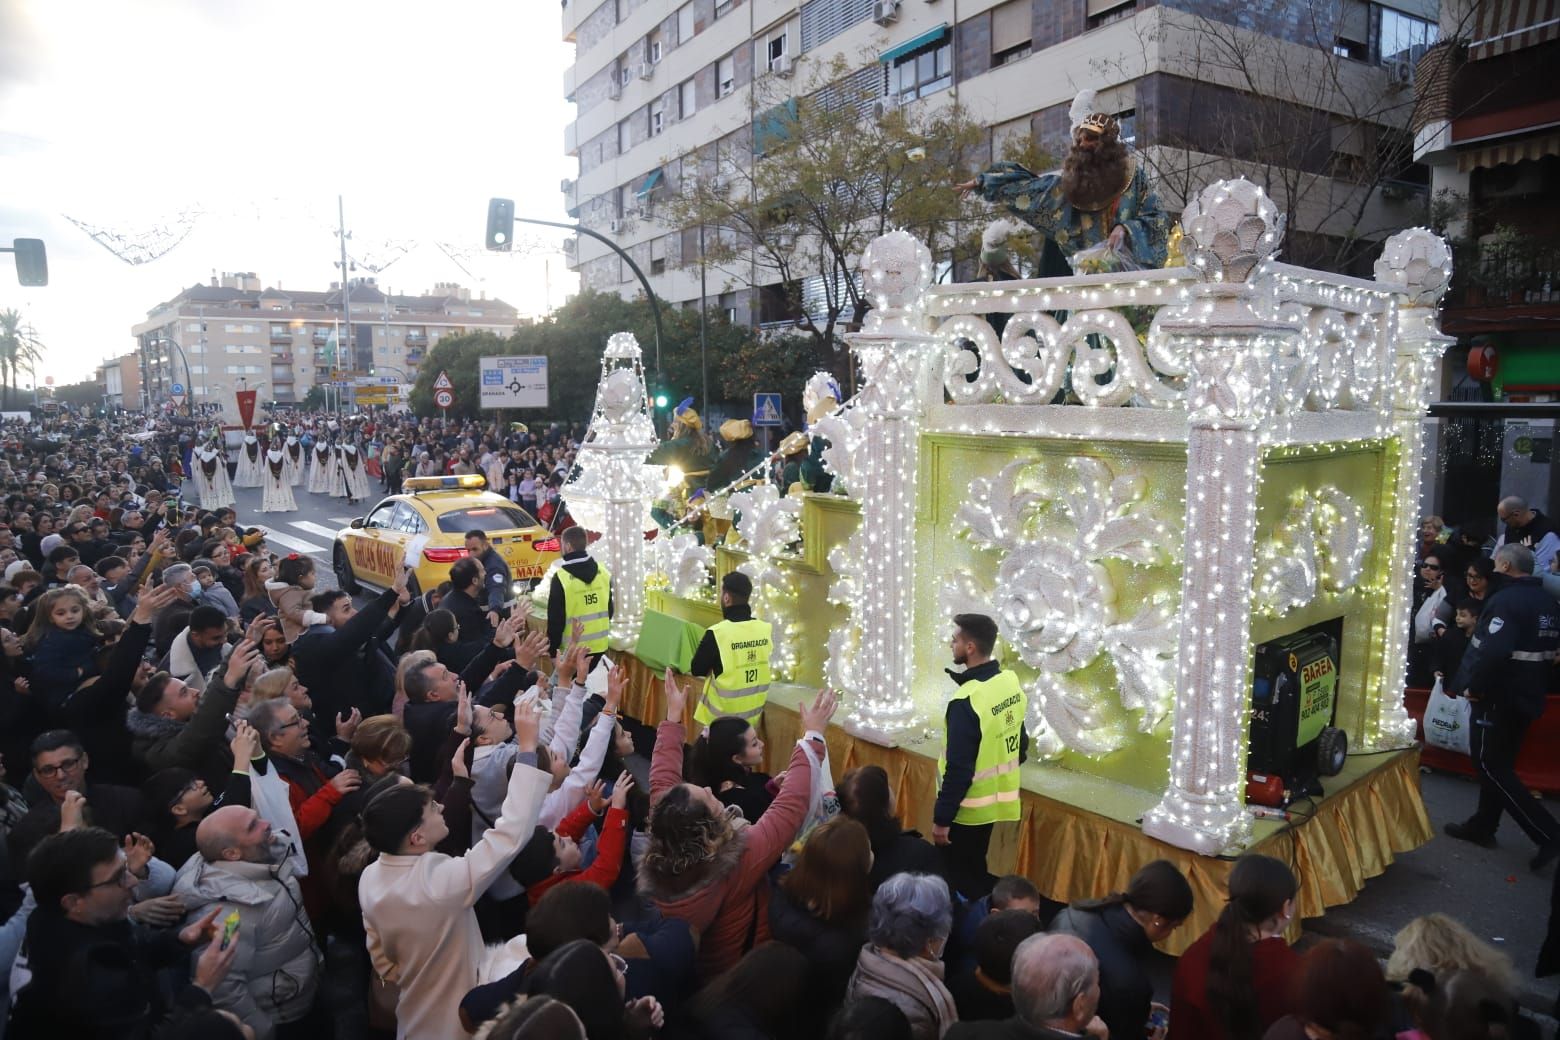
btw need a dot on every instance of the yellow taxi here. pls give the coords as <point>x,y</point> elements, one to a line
<point>425,527</point>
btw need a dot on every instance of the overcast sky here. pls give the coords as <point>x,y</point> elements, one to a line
<point>248,119</point>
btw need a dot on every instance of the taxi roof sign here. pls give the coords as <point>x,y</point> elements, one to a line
<point>452,482</point>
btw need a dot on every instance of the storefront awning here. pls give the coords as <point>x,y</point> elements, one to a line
<point>1502,26</point>
<point>915,44</point>
<point>1509,150</point>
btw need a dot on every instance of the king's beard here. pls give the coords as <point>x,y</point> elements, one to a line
<point>1091,180</point>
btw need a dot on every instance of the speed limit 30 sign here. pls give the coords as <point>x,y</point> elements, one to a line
<point>443,398</point>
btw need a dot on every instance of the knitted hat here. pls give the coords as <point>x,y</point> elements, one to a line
<point>537,860</point>
<point>736,430</point>
<point>14,567</point>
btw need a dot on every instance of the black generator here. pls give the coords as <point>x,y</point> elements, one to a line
<point>1294,704</point>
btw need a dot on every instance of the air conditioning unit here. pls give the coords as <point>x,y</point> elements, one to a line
<point>885,12</point>
<point>1401,73</point>
<point>784,241</point>
<point>566,186</point>
<point>646,70</point>
<point>781,66</point>
<point>719,184</point>
<point>618,226</point>
<point>571,245</point>
<point>883,106</point>
<point>614,89</point>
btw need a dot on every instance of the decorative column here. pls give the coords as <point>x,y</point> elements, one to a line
<point>894,354</point>
<point>1418,264</point>
<point>612,488</point>
<point>1231,385</point>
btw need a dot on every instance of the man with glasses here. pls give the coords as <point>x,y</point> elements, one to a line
<point>59,766</point>
<point>93,974</point>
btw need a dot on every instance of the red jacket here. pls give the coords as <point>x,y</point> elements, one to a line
<point>603,870</point>
<point>1273,968</point>
<point>311,810</point>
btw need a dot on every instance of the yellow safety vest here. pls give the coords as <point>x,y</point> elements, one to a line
<point>1000,706</point>
<point>586,602</point>
<point>742,686</point>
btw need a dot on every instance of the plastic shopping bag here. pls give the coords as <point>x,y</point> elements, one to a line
<point>1104,259</point>
<point>822,802</point>
<point>1447,720</point>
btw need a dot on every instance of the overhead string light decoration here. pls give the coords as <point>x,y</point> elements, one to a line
<point>142,246</point>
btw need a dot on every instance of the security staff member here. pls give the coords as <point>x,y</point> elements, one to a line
<point>581,591</point>
<point>495,574</point>
<point>985,744</point>
<point>1505,674</point>
<point>733,657</point>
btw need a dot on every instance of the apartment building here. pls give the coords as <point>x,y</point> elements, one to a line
<point>655,81</point>
<point>119,381</point>
<point>232,334</point>
<point>1488,127</point>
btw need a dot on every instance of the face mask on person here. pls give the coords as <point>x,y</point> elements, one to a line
<point>193,588</point>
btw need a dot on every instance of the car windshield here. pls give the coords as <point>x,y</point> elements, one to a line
<point>485,518</point>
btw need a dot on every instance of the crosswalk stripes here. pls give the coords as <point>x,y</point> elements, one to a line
<point>276,537</point>
<point>313,528</point>
<point>342,520</point>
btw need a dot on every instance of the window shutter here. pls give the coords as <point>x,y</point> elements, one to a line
<point>1354,22</point>
<point>1097,7</point>
<point>1010,26</point>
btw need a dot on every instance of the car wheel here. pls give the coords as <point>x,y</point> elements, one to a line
<point>343,568</point>
<point>1332,749</point>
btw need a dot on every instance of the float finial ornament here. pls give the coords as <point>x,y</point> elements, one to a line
<point>1418,263</point>
<point>1230,228</point>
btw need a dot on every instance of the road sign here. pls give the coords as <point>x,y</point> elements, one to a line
<point>443,398</point>
<point>443,382</point>
<point>513,382</point>
<point>177,389</point>
<point>766,410</point>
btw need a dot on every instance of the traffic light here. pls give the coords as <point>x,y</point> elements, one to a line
<point>660,399</point>
<point>501,225</point>
<point>32,263</point>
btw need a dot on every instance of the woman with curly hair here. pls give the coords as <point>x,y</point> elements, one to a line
<point>701,865</point>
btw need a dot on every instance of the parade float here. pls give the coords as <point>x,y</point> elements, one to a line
<point>1175,490</point>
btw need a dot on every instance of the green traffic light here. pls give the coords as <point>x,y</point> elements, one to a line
<point>660,400</point>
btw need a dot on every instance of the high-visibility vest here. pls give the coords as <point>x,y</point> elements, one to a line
<point>586,602</point>
<point>742,686</point>
<point>999,705</point>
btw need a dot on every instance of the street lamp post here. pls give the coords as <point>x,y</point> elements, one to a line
<point>169,341</point>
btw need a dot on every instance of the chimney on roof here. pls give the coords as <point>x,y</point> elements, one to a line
<point>213,279</point>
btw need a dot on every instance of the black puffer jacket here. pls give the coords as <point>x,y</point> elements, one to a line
<point>1122,948</point>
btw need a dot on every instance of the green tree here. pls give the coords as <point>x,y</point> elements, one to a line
<point>88,392</point>
<point>20,351</point>
<point>314,400</point>
<point>801,193</point>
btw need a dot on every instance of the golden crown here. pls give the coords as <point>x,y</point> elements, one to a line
<point>1100,123</point>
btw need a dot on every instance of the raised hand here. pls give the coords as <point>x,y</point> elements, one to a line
<point>566,669</point>
<point>676,698</point>
<point>504,634</point>
<point>402,594</point>
<point>138,852</point>
<point>347,724</point>
<point>816,716</point>
<point>617,685</point>
<point>529,650</point>
<point>240,661</point>
<point>462,708</point>
<point>458,765</point>
<point>594,794</point>
<point>151,603</point>
<point>245,745</point>
<point>621,789</point>
<point>528,722</point>
<point>347,781</point>
<point>72,811</point>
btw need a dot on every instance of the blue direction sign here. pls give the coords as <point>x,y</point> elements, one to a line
<point>766,410</point>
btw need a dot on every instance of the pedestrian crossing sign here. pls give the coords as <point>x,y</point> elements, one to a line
<point>766,410</point>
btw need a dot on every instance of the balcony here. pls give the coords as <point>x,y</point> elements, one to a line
<point>281,375</point>
<point>281,335</point>
<point>1509,284</point>
<point>414,337</point>
<point>283,356</point>
<point>414,357</point>
<point>321,337</point>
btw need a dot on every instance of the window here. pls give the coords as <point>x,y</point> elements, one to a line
<point>684,24</point>
<point>620,199</point>
<point>822,20</point>
<point>657,117</point>
<point>485,518</point>
<point>1103,12</point>
<point>1011,32</point>
<point>1128,121</point>
<point>653,48</point>
<point>625,74</point>
<point>195,348</point>
<point>194,326</point>
<point>1403,37</point>
<point>625,138</point>
<point>722,7</point>
<point>658,255</point>
<point>923,71</point>
<point>775,51</point>
<point>1352,38</point>
<point>687,99</point>
<point>197,370</point>
<point>243,370</point>
<point>725,76</point>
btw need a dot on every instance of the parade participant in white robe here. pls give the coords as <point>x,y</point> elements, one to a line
<point>292,456</point>
<point>211,479</point>
<point>338,472</point>
<point>249,453</point>
<point>276,494</point>
<point>352,463</point>
<point>319,470</point>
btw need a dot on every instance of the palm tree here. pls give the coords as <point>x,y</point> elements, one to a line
<point>11,337</point>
